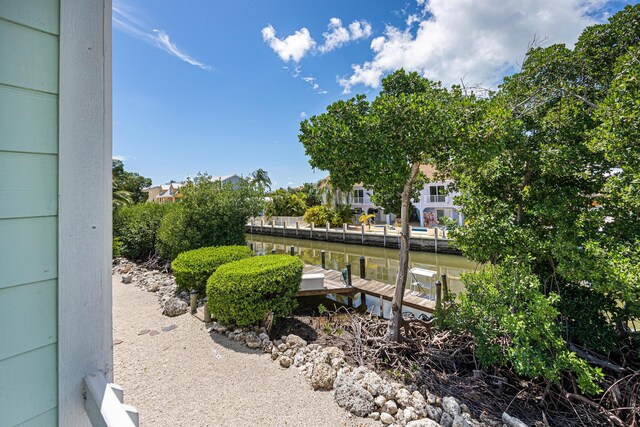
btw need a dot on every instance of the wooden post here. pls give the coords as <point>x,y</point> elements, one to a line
<point>311,236</point>
<point>381,306</point>
<point>363,234</point>
<point>363,298</point>
<point>326,231</point>
<point>445,287</point>
<point>273,226</point>
<point>284,228</point>
<point>344,232</point>
<point>363,271</point>
<point>438,294</point>
<point>273,251</point>
<point>261,223</point>
<point>386,227</point>
<point>297,228</point>
<point>435,233</point>
<point>349,299</point>
<point>322,255</point>
<point>292,250</point>
<point>251,228</point>
<point>194,301</point>
<point>207,313</point>
<point>251,246</point>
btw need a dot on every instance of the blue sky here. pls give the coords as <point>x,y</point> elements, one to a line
<point>221,86</point>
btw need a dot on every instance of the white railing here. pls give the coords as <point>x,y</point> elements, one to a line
<point>103,403</point>
<point>437,199</point>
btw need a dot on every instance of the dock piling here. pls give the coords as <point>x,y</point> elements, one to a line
<point>349,274</point>
<point>207,313</point>
<point>322,254</point>
<point>445,286</point>
<point>363,271</point>
<point>273,251</point>
<point>438,294</point>
<point>194,301</point>
<point>292,250</point>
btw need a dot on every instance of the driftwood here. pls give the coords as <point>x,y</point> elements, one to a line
<point>595,360</point>
<point>444,363</point>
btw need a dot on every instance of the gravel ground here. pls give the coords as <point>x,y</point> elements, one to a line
<point>188,377</point>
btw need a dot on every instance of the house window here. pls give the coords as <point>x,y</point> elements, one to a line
<point>442,213</point>
<point>437,194</point>
<point>358,196</point>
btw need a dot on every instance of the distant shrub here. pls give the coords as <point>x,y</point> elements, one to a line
<point>209,213</point>
<point>245,291</point>
<point>320,215</point>
<point>192,268</point>
<point>136,227</point>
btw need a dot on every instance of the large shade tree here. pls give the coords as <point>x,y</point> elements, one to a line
<point>549,177</point>
<point>382,144</point>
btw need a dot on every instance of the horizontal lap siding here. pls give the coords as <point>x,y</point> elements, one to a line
<point>29,66</point>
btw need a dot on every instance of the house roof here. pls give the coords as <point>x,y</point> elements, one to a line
<point>223,177</point>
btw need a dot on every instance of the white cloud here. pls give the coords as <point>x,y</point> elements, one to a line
<point>338,35</point>
<point>126,19</point>
<point>303,115</point>
<point>297,45</point>
<point>475,40</point>
<point>165,44</point>
<point>293,47</point>
<point>123,158</point>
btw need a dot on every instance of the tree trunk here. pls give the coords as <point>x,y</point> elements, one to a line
<point>395,318</point>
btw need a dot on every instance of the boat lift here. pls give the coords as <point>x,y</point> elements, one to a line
<point>422,281</point>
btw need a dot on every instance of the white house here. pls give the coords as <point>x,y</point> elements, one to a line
<point>434,202</point>
<point>169,193</point>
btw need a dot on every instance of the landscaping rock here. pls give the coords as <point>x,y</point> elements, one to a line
<point>374,416</point>
<point>446,420</point>
<point>391,407</point>
<point>460,421</point>
<point>386,419</point>
<point>253,342</point>
<point>380,401</point>
<point>322,377</point>
<point>294,341</point>
<point>169,328</point>
<point>333,352</point>
<point>404,398</point>
<point>126,278</point>
<point>174,307</point>
<point>512,421</point>
<point>434,413</point>
<point>451,405</point>
<point>352,396</point>
<point>285,361</point>
<point>425,422</point>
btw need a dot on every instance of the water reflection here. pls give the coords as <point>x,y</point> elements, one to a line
<point>381,263</point>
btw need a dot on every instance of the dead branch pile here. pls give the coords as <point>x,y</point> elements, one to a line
<point>443,363</point>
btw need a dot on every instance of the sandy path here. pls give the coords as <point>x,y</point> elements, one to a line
<point>187,377</point>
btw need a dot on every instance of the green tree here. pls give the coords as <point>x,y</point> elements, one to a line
<point>209,214</point>
<point>260,177</point>
<point>408,123</point>
<point>286,203</point>
<point>127,185</point>
<point>548,176</point>
<point>312,194</point>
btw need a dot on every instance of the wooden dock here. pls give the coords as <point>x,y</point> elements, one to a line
<point>334,285</point>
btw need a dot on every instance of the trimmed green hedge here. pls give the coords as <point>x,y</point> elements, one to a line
<point>192,268</point>
<point>243,292</point>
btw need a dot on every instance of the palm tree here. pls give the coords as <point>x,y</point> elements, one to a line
<point>120,196</point>
<point>260,177</point>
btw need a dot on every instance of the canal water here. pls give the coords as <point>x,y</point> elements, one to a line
<point>381,264</point>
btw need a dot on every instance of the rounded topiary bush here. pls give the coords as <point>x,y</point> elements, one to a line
<point>192,268</point>
<point>245,291</point>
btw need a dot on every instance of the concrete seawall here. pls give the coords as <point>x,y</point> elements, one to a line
<point>417,243</point>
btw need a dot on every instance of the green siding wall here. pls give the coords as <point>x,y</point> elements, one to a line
<point>28,212</point>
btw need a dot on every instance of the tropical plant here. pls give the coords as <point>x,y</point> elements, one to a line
<point>127,186</point>
<point>260,177</point>
<point>366,219</point>
<point>285,203</point>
